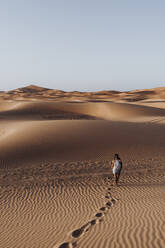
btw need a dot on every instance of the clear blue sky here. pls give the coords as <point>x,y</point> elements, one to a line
<point>82,44</point>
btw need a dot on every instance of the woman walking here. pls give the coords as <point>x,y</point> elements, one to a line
<point>116,168</point>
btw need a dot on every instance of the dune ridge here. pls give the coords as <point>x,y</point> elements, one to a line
<point>33,92</point>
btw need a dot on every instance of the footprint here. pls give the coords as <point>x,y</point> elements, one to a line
<point>113,201</point>
<point>107,197</point>
<point>93,222</point>
<point>78,232</point>
<point>74,244</point>
<point>67,245</point>
<point>98,214</point>
<point>102,209</point>
<point>108,204</point>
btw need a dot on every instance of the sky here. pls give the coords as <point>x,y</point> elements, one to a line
<point>84,45</point>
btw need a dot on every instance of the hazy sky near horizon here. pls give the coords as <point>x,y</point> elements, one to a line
<point>84,45</point>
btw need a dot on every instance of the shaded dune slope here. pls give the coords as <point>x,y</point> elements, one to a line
<point>51,110</point>
<point>77,140</point>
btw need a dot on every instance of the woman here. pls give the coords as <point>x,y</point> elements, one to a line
<point>116,167</point>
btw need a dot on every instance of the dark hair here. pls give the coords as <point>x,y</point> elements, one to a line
<point>116,156</point>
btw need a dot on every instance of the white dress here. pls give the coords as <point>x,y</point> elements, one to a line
<point>117,167</point>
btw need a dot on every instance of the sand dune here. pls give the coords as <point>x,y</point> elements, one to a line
<point>37,135</point>
<point>51,110</point>
<point>156,103</point>
<point>55,174</point>
<point>77,140</point>
<point>33,92</point>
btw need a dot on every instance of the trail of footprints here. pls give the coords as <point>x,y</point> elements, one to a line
<point>98,218</point>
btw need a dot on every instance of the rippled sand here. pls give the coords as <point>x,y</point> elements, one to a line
<point>87,212</point>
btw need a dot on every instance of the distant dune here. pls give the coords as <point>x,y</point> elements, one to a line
<point>33,92</point>
<point>56,179</point>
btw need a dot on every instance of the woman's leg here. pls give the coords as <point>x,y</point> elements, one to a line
<point>118,175</point>
<point>115,179</point>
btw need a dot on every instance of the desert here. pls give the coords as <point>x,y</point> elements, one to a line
<point>56,181</point>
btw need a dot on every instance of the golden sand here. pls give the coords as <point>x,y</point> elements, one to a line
<point>55,175</point>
